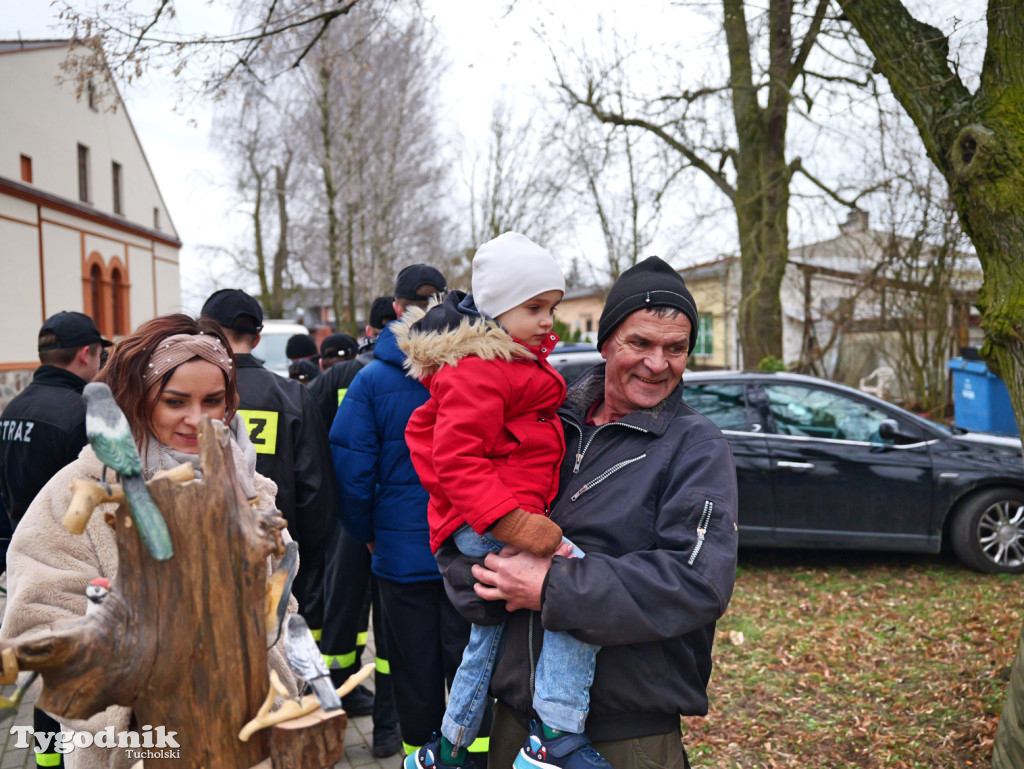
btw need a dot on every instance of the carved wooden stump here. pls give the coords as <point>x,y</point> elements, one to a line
<point>182,642</point>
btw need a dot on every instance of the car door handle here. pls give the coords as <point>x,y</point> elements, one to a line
<point>796,465</point>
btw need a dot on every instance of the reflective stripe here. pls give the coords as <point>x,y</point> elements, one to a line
<point>343,660</point>
<point>410,749</point>
<point>480,745</point>
<point>361,639</point>
<point>341,394</point>
<point>383,666</point>
<point>316,634</point>
<point>47,759</point>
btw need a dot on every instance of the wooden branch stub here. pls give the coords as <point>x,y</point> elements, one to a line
<point>10,666</point>
<point>313,741</point>
<point>85,495</point>
<point>293,709</point>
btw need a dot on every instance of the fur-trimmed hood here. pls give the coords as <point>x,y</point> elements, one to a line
<point>450,330</point>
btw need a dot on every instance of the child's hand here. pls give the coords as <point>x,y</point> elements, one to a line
<point>536,533</point>
<point>565,550</point>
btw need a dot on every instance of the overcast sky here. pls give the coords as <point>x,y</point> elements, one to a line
<point>490,49</point>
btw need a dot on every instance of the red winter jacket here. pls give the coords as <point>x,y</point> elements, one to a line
<point>489,439</point>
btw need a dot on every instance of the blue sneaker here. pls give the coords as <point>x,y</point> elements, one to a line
<point>429,757</point>
<point>568,751</point>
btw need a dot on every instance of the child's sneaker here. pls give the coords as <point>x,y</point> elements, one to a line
<point>429,757</point>
<point>569,751</point>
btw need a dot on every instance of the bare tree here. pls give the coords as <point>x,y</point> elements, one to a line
<point>520,185</point>
<point>770,52</point>
<point>129,40</point>
<point>371,92</point>
<point>254,141</point>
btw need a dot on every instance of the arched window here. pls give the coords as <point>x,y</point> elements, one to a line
<point>96,295</point>
<point>116,288</point>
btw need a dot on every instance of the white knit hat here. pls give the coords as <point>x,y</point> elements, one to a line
<point>511,269</point>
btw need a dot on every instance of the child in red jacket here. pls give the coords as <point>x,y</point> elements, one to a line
<point>487,447</point>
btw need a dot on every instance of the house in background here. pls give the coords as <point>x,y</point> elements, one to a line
<point>580,309</point>
<point>845,303</point>
<point>82,223</point>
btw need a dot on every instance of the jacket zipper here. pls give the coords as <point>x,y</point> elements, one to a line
<point>702,529</point>
<point>529,645</point>
<point>604,475</point>
<point>583,449</point>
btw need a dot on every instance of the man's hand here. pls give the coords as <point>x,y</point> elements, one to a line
<point>369,546</point>
<point>513,576</point>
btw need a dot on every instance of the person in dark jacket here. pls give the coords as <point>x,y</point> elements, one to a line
<point>350,591</point>
<point>43,428</point>
<point>329,388</point>
<point>285,426</point>
<point>384,506</point>
<point>337,348</point>
<point>648,490</point>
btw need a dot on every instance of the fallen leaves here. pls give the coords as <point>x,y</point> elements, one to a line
<point>858,660</point>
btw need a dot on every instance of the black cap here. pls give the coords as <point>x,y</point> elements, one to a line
<point>416,275</point>
<point>300,346</point>
<point>72,329</point>
<point>382,312</point>
<point>338,346</point>
<point>303,370</point>
<point>234,309</point>
<point>650,283</point>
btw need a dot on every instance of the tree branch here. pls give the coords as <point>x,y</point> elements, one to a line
<point>687,152</point>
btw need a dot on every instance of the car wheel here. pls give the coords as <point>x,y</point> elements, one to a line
<point>988,531</point>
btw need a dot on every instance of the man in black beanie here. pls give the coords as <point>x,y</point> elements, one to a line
<point>648,490</point>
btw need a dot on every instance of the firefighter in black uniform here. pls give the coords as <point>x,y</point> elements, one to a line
<point>290,438</point>
<point>43,429</point>
<point>349,589</point>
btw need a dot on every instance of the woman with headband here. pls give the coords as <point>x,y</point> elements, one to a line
<point>165,377</point>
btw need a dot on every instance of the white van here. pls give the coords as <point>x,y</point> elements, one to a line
<point>273,340</point>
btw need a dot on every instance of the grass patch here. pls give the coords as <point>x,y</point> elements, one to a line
<point>858,660</point>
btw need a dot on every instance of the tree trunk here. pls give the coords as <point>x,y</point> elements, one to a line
<point>977,142</point>
<point>281,172</point>
<point>182,642</point>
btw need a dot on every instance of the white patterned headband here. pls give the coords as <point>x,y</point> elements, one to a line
<point>179,348</point>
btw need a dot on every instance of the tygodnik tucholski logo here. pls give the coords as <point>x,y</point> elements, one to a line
<point>148,743</point>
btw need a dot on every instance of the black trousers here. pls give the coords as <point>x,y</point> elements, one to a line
<point>350,590</point>
<point>426,637</point>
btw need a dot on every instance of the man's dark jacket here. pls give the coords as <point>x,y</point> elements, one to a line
<point>290,438</point>
<point>330,387</point>
<point>651,500</point>
<point>41,431</point>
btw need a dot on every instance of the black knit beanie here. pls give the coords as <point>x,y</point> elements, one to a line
<point>651,283</point>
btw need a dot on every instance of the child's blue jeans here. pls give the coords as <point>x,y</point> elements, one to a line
<point>565,670</point>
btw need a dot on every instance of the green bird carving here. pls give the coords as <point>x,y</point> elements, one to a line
<point>111,439</point>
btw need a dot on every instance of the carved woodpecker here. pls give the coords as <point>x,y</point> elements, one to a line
<point>96,592</point>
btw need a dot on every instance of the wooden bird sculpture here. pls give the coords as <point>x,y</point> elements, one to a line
<point>305,660</point>
<point>111,439</point>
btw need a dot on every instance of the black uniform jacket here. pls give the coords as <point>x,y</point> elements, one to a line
<point>290,438</point>
<point>41,431</point>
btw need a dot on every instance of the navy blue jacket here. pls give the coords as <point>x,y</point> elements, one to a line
<point>382,500</point>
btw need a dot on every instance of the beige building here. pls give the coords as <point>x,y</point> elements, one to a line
<point>82,223</point>
<point>580,309</point>
<point>839,300</point>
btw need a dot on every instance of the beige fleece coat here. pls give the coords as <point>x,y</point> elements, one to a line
<point>48,570</point>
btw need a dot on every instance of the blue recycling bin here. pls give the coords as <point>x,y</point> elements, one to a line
<point>980,399</point>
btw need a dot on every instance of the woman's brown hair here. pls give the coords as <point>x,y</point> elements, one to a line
<point>129,359</point>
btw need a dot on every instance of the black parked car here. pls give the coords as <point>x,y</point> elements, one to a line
<point>823,465</point>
